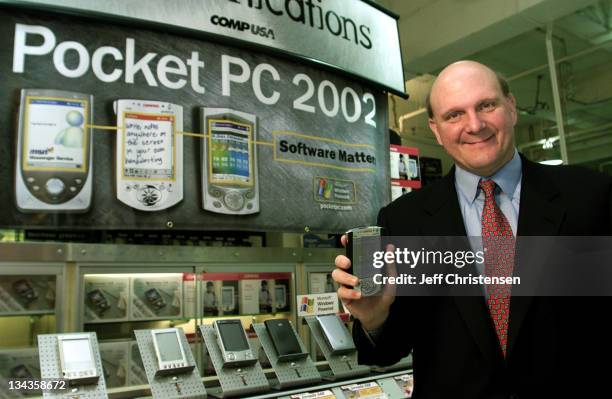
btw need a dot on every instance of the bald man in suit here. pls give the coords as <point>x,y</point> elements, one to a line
<point>545,346</point>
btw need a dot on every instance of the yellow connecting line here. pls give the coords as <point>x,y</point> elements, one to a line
<point>271,144</point>
<point>190,134</point>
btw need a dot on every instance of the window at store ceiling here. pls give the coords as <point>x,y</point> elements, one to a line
<point>586,81</point>
<point>583,50</point>
<point>583,44</point>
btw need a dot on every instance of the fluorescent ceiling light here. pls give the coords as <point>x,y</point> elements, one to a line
<point>553,162</point>
<point>548,143</point>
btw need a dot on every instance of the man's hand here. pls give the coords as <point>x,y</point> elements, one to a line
<point>371,311</point>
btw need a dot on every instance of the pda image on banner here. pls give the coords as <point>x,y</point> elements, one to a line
<point>53,171</point>
<point>229,162</point>
<point>149,154</point>
<point>106,298</point>
<point>27,294</point>
<point>229,293</point>
<point>157,297</point>
<point>19,363</point>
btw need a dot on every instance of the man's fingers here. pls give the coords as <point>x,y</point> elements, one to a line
<point>343,278</point>
<point>343,240</point>
<point>348,294</point>
<point>342,262</point>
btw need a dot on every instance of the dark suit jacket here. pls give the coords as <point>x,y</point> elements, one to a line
<point>556,345</point>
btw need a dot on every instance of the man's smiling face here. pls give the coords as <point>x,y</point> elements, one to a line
<point>472,118</point>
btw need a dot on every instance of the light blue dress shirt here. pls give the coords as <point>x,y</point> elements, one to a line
<point>471,198</point>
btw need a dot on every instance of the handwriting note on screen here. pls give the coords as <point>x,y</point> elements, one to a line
<point>148,146</point>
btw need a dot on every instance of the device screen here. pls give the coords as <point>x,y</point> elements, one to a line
<point>149,150</point>
<point>233,337</point>
<point>331,324</point>
<point>24,289</point>
<point>96,296</point>
<point>77,354</point>
<point>54,137</point>
<point>283,337</point>
<point>413,168</point>
<point>227,297</point>
<point>336,333</point>
<point>279,296</point>
<point>363,245</point>
<point>169,347</point>
<point>153,295</point>
<point>230,152</point>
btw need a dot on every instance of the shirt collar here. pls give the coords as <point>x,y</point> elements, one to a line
<point>507,178</point>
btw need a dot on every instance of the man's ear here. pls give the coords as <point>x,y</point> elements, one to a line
<point>512,102</point>
<point>434,128</point>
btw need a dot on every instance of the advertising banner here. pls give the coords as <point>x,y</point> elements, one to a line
<point>19,363</point>
<point>265,143</point>
<point>310,305</point>
<point>353,30</point>
<point>246,293</point>
<point>106,298</point>
<point>405,170</point>
<point>22,294</point>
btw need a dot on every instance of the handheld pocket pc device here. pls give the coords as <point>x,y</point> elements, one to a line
<point>233,343</point>
<point>229,162</point>
<point>284,340</point>
<point>336,334</point>
<point>228,303</point>
<point>413,168</point>
<point>25,290</point>
<point>21,371</point>
<point>77,361</point>
<point>98,301</point>
<point>149,154</point>
<point>155,298</point>
<point>53,170</point>
<point>361,244</point>
<point>280,296</point>
<point>169,351</point>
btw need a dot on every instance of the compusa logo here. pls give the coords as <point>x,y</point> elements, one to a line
<point>237,24</point>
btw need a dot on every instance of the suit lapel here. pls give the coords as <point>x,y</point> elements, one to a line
<point>444,218</point>
<point>541,213</point>
<point>442,209</point>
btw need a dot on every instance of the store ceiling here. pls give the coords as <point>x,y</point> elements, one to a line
<point>583,34</point>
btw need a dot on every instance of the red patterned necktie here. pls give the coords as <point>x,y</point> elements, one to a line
<point>498,241</point>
